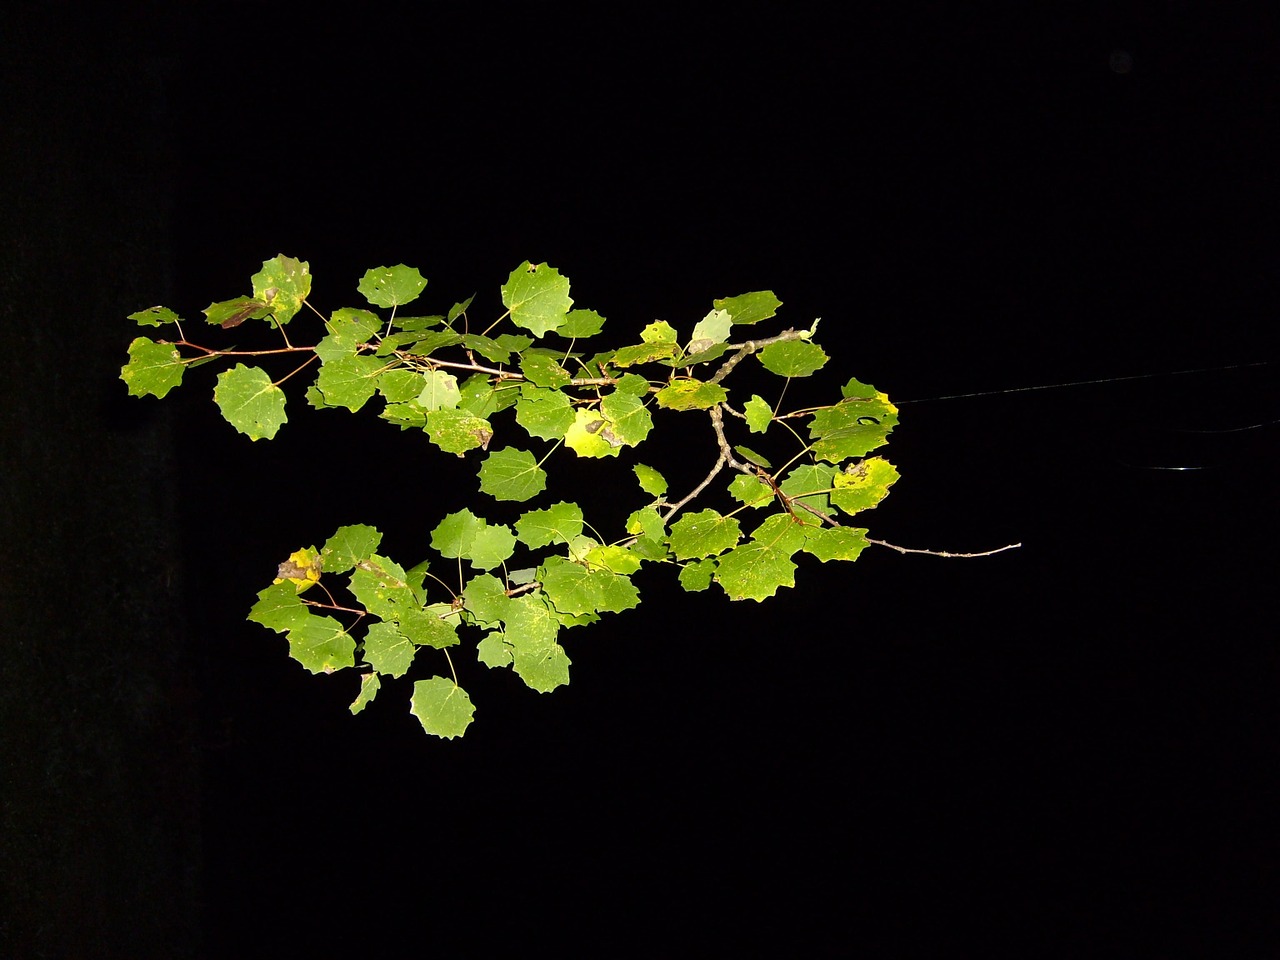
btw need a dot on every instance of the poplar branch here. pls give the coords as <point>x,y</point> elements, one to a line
<point>674,508</point>
<point>726,451</point>
<point>943,553</point>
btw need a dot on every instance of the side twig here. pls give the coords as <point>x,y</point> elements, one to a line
<point>943,553</point>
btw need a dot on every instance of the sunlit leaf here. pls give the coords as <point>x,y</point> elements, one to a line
<point>703,534</point>
<point>349,382</point>
<point>559,523</point>
<point>387,650</point>
<point>155,317</point>
<point>510,474</point>
<point>456,432</point>
<point>792,358</point>
<point>391,286</point>
<point>759,414</point>
<point>250,402</point>
<point>544,413</point>
<point>369,685</point>
<point>651,481</point>
<point>538,297</point>
<point>750,307</point>
<point>348,546</point>
<point>282,284</point>
<point>862,486</point>
<point>442,707</point>
<point>153,368</point>
<point>688,394</point>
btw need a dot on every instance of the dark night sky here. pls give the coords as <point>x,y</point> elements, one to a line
<point>1068,744</point>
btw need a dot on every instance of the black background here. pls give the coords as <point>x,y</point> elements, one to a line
<point>1068,745</point>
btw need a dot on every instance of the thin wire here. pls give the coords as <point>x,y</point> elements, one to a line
<point>1148,466</point>
<point>1085,383</point>
<point>1252,426</point>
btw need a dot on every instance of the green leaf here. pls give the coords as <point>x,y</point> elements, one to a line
<point>751,456</point>
<point>455,534</point>
<point>369,686</point>
<point>153,368</point>
<point>442,707</point>
<point>456,432</point>
<point>632,384</point>
<point>651,481</point>
<point>688,394</point>
<point>458,309</point>
<point>392,342</point>
<point>155,317</point>
<point>659,332</point>
<point>279,608</point>
<point>400,385</point>
<point>530,623</point>
<point>580,546</point>
<point>851,428</point>
<point>480,398</point>
<point>381,585</point>
<point>792,358</point>
<point>559,523</point>
<point>580,324</point>
<point>750,490</point>
<point>250,402</point>
<point>545,414</point>
<point>544,371</point>
<point>348,546</point>
<point>542,670</point>
<point>283,284</point>
<point>703,534</point>
<point>647,523</point>
<point>493,545</point>
<point>485,598</point>
<point>424,346</point>
<point>348,329</point>
<point>435,626</point>
<point>322,645</point>
<point>510,474</point>
<point>759,414</point>
<point>758,568</point>
<point>857,390</point>
<point>387,650</point>
<point>391,286</point>
<point>574,588</point>
<point>750,307</point>
<point>513,342</point>
<point>404,414</point>
<point>493,650</point>
<point>836,543</point>
<point>614,559</point>
<point>628,420</point>
<point>812,479</point>
<point>642,353</point>
<point>487,347</point>
<point>441,391</point>
<point>711,329</point>
<point>862,486</point>
<point>349,382</point>
<point>538,298</point>
<point>696,575</point>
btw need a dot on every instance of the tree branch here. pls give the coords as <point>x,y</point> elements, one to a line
<point>943,553</point>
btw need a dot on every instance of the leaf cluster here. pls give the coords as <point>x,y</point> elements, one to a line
<point>509,401</point>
